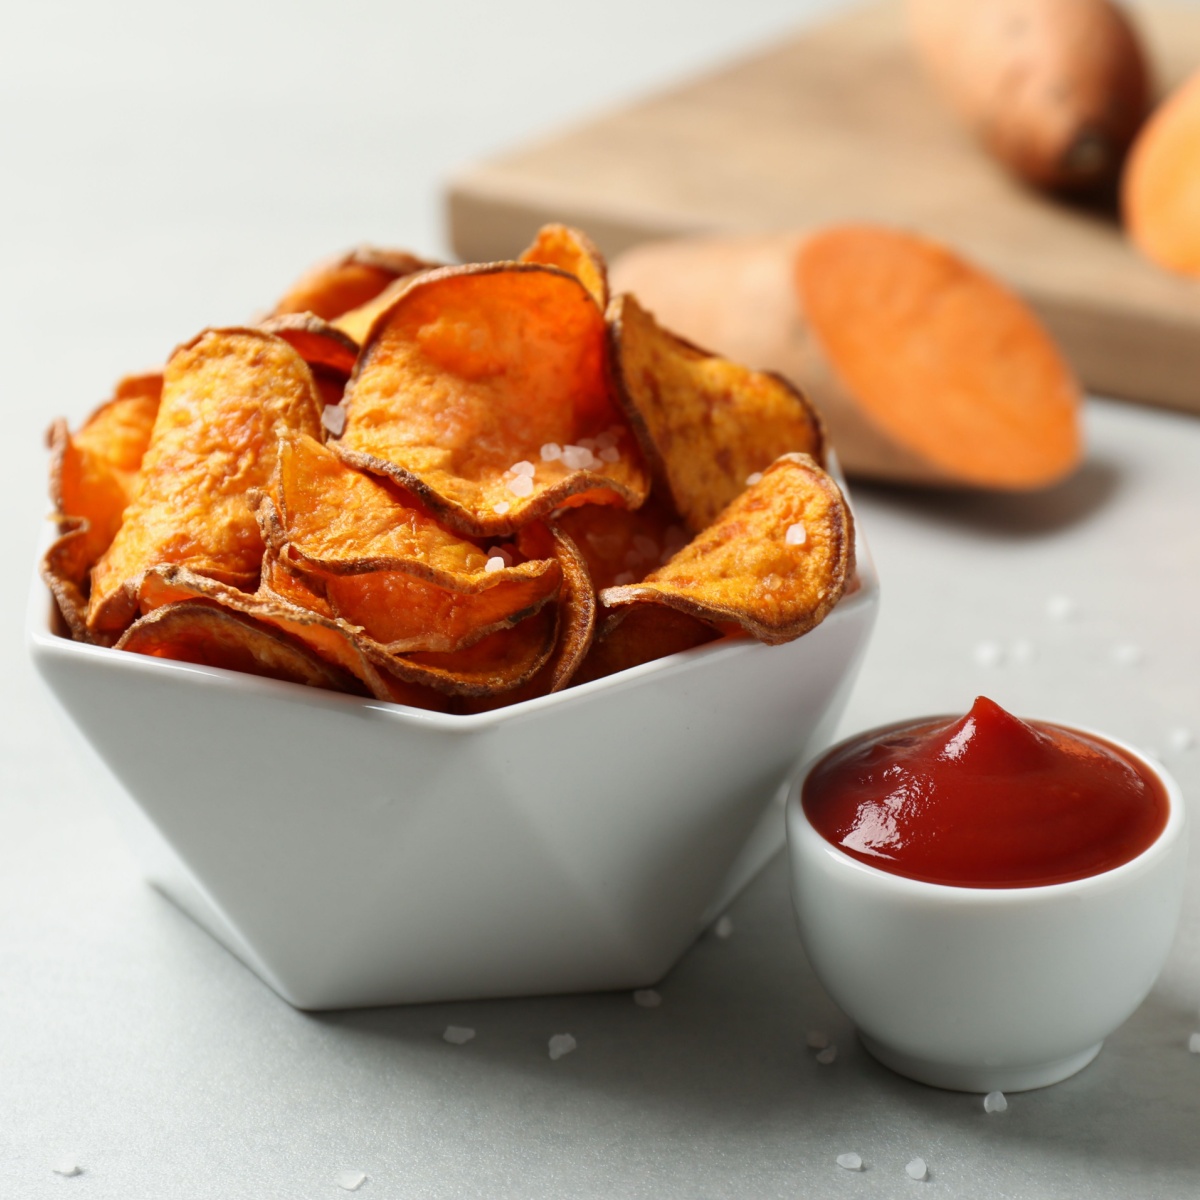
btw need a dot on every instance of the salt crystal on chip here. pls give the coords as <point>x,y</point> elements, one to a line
<point>624,578</point>
<point>917,1169</point>
<point>351,1181</point>
<point>524,467</point>
<point>995,1102</point>
<point>501,508</point>
<point>577,458</point>
<point>333,417</point>
<point>989,654</point>
<point>1061,608</point>
<point>816,1040</point>
<point>521,485</point>
<point>67,1167</point>
<point>724,927</point>
<point>1181,739</point>
<point>551,451</point>
<point>495,563</point>
<point>796,535</point>
<point>753,478</point>
<point>851,1162</point>
<point>647,998</point>
<point>560,1044</point>
<point>610,454</point>
<point>826,1056</point>
<point>607,439</point>
<point>458,1035</point>
<point>1194,1043</point>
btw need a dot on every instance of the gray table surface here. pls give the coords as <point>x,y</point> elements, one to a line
<point>169,167</point>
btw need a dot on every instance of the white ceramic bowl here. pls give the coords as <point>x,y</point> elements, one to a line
<point>987,989</point>
<point>354,852</point>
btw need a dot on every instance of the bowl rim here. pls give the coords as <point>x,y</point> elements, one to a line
<point>42,638</point>
<point>799,826</point>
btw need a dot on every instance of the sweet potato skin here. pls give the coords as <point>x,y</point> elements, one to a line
<point>1054,89</point>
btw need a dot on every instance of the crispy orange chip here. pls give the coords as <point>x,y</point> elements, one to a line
<point>621,546</point>
<point>198,632</point>
<point>707,424</point>
<point>484,391</point>
<point>228,397</point>
<point>340,284</point>
<point>640,633</point>
<point>323,346</point>
<point>574,252</point>
<point>774,562</point>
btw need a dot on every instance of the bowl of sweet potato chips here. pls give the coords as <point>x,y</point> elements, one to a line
<point>449,631</point>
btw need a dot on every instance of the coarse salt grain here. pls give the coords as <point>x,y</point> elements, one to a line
<point>989,654</point>
<point>610,454</point>
<point>1194,1043</point>
<point>501,508</point>
<point>560,1044</point>
<point>753,478</point>
<point>524,467</point>
<point>520,485</point>
<point>551,452</point>
<point>495,563</point>
<point>826,1056</point>
<point>351,1181</point>
<point>577,458</point>
<point>1061,608</point>
<point>67,1168</point>
<point>816,1039</point>
<point>723,928</point>
<point>796,535</point>
<point>333,417</point>
<point>1126,654</point>
<point>608,439</point>
<point>851,1162</point>
<point>1022,652</point>
<point>1181,739</point>
<point>995,1102</point>
<point>917,1169</point>
<point>647,998</point>
<point>646,547</point>
<point>458,1035</point>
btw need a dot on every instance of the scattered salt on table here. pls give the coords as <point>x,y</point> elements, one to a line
<point>1022,652</point>
<point>851,1162</point>
<point>1061,608</point>
<point>351,1181</point>
<point>1126,654</point>
<point>1194,1043</point>
<point>917,1169</point>
<point>994,1102</point>
<point>458,1035</point>
<point>647,998</point>
<point>67,1167</point>
<point>1180,739</point>
<point>816,1040</point>
<point>723,928</point>
<point>826,1056</point>
<point>560,1044</point>
<point>989,654</point>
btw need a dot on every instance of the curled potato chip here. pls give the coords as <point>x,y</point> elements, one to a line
<point>484,391</point>
<point>707,424</point>
<point>574,252</point>
<point>774,562</point>
<point>640,633</point>
<point>228,396</point>
<point>320,344</point>
<point>199,632</point>
<point>337,285</point>
<point>621,546</point>
<point>64,569</point>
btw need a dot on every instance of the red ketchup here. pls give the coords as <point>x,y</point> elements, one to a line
<point>987,801</point>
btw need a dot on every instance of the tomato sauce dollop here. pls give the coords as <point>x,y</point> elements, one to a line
<point>985,801</point>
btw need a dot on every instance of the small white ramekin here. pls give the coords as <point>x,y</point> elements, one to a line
<point>987,989</point>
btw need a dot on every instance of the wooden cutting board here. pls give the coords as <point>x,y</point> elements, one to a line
<point>836,124</point>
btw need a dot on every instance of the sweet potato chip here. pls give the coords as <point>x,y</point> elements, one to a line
<point>707,425</point>
<point>640,633</point>
<point>340,284</point>
<point>64,570</point>
<point>774,562</point>
<point>620,546</point>
<point>198,632</point>
<point>574,252</point>
<point>484,391</point>
<point>320,344</point>
<point>228,396</point>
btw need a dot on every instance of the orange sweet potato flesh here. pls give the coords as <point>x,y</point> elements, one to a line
<point>198,632</point>
<point>468,378</point>
<point>775,562</point>
<point>321,345</point>
<point>1054,89</point>
<point>705,422</point>
<point>641,633</point>
<point>943,359</point>
<point>1160,189</point>
<point>338,285</point>
<point>228,397</point>
<point>574,252</point>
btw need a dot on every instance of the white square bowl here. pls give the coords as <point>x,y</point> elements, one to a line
<point>353,852</point>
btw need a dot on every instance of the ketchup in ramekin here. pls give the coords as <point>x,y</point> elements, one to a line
<point>985,801</point>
